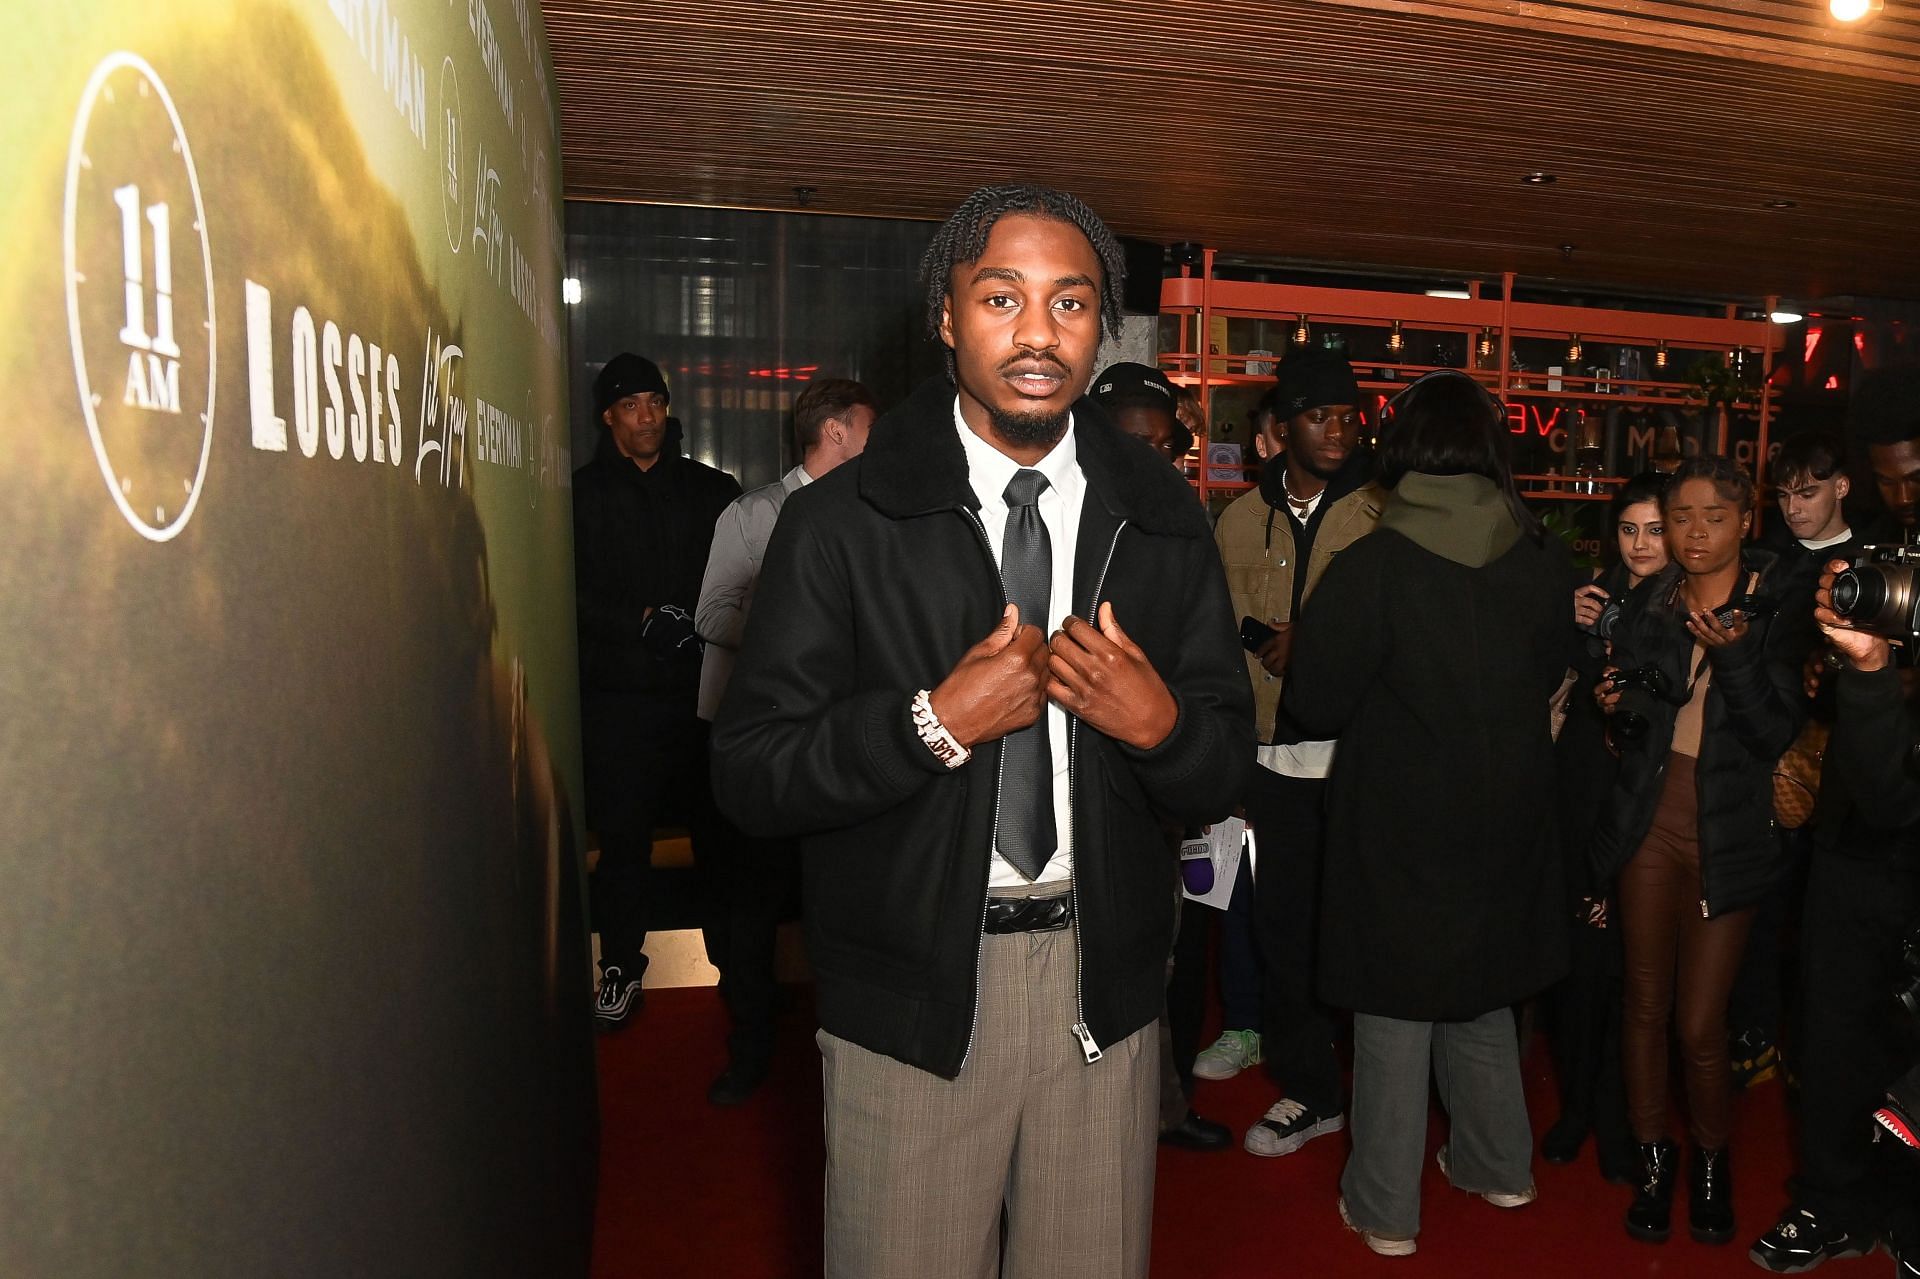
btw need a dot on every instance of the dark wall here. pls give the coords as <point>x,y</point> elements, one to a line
<point>740,309</point>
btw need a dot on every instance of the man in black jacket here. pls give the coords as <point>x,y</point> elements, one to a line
<point>987,891</point>
<point>1863,895</point>
<point>643,520</point>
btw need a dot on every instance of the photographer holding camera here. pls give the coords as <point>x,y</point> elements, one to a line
<point>1704,695</point>
<point>1863,889</point>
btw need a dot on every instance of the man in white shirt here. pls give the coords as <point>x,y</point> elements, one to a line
<point>749,881</point>
<point>987,892</point>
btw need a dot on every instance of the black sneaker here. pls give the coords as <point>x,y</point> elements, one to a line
<point>617,1000</point>
<point>1798,1242</point>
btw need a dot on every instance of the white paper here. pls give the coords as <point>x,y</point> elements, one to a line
<point>1223,845</point>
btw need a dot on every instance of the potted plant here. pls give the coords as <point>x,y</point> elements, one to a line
<point>1716,385</point>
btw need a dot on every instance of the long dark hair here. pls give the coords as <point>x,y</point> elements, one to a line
<point>1446,423</point>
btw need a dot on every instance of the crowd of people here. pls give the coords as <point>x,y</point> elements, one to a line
<point>966,676</point>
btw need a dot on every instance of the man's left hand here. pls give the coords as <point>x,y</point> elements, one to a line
<point>1103,677</point>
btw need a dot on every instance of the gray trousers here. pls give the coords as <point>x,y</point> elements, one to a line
<point>918,1167</point>
<point>1476,1065</point>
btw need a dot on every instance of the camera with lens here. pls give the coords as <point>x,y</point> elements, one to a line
<point>1880,594</point>
<point>1641,690</point>
<point>1602,627</point>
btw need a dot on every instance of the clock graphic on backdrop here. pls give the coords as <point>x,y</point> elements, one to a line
<point>139,278</point>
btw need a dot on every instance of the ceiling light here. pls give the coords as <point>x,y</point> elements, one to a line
<point>1574,350</point>
<point>1660,356</point>
<point>1301,333</point>
<point>1461,294</point>
<point>1780,204</point>
<point>1854,10</point>
<point>570,290</point>
<point>1786,317</point>
<point>1396,341</point>
<point>1484,348</point>
<point>1540,178</point>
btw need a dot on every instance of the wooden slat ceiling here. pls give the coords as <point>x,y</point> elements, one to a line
<point>1381,133</point>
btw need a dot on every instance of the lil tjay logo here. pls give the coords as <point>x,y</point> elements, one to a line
<point>140,295</point>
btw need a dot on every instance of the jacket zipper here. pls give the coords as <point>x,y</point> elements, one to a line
<point>1088,1048</point>
<point>986,890</point>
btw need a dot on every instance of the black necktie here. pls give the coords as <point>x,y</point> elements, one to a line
<point>1023,823</point>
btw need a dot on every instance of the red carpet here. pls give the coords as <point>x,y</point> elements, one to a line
<point>687,1189</point>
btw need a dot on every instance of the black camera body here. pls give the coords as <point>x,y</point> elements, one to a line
<point>1880,594</point>
<point>1641,690</point>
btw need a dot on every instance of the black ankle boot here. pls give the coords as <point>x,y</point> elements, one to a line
<point>1563,1140</point>
<point>1650,1218</point>
<point>1710,1196</point>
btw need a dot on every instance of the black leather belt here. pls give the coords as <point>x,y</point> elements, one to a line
<point>1028,914</point>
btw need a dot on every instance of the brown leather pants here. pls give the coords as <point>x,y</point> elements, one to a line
<point>1679,965</point>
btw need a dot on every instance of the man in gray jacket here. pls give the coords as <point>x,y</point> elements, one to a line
<point>750,878</point>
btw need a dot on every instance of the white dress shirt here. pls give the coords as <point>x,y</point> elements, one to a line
<point>989,470</point>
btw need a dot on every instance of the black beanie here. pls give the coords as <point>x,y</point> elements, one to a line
<point>1885,408</point>
<point>1311,380</point>
<point>627,374</point>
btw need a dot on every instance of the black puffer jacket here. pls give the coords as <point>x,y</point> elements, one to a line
<point>1754,709</point>
<point>877,580</point>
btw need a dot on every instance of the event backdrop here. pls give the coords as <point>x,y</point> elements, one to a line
<point>293,964</point>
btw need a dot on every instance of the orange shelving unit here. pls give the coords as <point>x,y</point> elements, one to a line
<point>1196,301</point>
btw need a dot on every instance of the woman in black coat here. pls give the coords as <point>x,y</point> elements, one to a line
<point>1709,701</point>
<point>1586,1007</point>
<point>1430,650</point>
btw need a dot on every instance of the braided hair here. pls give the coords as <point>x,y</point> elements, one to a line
<point>962,238</point>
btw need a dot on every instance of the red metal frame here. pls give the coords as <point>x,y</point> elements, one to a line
<point>1196,299</point>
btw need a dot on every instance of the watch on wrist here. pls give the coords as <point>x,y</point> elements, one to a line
<point>945,746</point>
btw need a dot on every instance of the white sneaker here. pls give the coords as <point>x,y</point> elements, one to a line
<point>1289,1125</point>
<point>1385,1245</point>
<point>1230,1054</point>
<point>1493,1197</point>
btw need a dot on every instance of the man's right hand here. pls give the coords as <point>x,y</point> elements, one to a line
<point>999,685</point>
<point>1863,651</point>
<point>1278,649</point>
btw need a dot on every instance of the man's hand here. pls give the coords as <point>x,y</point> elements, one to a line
<point>997,687</point>
<point>1278,648</point>
<point>1865,652</point>
<point>1103,677</point>
<point>1589,602</point>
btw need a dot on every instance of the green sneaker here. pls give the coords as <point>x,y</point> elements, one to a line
<point>1232,1053</point>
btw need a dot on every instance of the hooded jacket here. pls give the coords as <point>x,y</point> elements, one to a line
<point>1754,708</point>
<point>878,578</point>
<point>1431,650</point>
<point>1256,541</point>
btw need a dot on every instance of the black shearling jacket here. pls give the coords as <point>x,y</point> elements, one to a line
<point>878,578</point>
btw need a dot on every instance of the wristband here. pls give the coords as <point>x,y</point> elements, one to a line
<point>945,746</point>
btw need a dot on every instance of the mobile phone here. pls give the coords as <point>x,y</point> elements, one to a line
<point>1254,633</point>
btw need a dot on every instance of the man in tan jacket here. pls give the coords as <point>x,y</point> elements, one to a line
<point>1315,498</point>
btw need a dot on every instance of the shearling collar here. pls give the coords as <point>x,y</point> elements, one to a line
<point>914,464</point>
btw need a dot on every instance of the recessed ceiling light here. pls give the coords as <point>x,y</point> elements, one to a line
<point>1854,10</point>
<point>1781,204</point>
<point>1538,179</point>
<point>1461,294</point>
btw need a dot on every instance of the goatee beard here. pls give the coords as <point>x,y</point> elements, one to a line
<point>1028,428</point>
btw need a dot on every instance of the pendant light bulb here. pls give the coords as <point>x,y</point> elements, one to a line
<point>1396,341</point>
<point>1484,349</point>
<point>1302,334</point>
<point>1660,355</point>
<point>1574,350</point>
